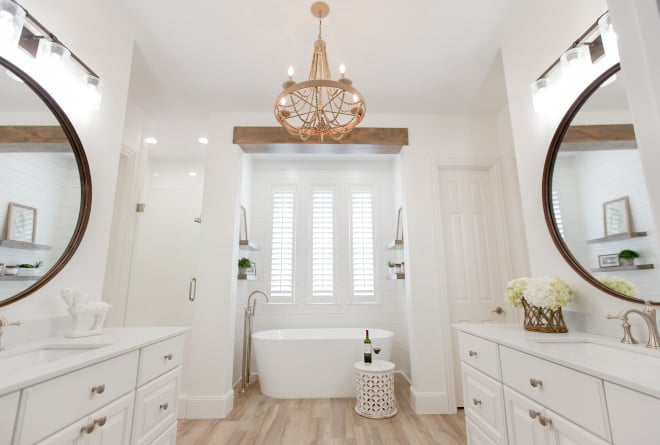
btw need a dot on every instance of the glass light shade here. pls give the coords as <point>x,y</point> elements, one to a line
<point>12,18</point>
<point>92,91</point>
<point>575,62</point>
<point>542,98</point>
<point>608,36</point>
<point>52,53</point>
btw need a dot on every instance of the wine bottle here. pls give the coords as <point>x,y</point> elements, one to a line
<point>367,347</point>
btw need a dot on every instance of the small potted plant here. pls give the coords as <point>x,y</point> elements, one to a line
<point>391,268</point>
<point>627,257</point>
<point>243,265</point>
<point>28,269</point>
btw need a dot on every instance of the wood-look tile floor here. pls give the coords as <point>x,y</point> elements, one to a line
<point>260,420</point>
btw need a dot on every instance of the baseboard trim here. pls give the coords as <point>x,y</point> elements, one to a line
<point>405,376</point>
<point>429,402</point>
<point>208,407</point>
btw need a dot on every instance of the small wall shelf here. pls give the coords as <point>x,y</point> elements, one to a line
<point>19,277</point>
<point>242,276</point>
<point>247,245</point>
<point>617,237</point>
<point>23,245</point>
<point>623,268</point>
<point>397,244</point>
<point>396,276</point>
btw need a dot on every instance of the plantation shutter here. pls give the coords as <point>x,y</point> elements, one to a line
<point>322,243</point>
<point>281,278</point>
<point>362,243</point>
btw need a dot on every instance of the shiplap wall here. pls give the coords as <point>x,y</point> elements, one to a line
<point>49,182</point>
<point>389,312</point>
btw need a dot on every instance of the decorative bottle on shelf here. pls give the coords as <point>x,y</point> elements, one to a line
<point>367,348</point>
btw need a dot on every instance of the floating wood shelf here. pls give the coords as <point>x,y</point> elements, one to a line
<point>242,276</point>
<point>397,244</point>
<point>617,237</point>
<point>19,277</point>
<point>396,276</point>
<point>247,245</point>
<point>623,268</point>
<point>23,245</point>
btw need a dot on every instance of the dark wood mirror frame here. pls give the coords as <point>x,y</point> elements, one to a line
<point>84,175</point>
<point>546,191</point>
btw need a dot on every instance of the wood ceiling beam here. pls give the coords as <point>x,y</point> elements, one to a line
<point>358,141</point>
<point>25,134</point>
<point>600,133</point>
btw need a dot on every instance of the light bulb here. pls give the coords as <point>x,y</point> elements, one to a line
<point>92,91</point>
<point>283,101</point>
<point>356,98</point>
<point>542,97</point>
<point>12,18</point>
<point>342,69</point>
<point>608,36</point>
<point>203,140</point>
<point>151,140</point>
<point>290,71</point>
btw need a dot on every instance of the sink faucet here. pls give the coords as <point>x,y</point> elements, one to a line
<point>251,303</point>
<point>4,323</point>
<point>648,315</point>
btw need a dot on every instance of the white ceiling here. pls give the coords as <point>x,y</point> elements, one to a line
<point>418,56</point>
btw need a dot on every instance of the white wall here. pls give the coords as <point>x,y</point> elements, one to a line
<point>94,31</point>
<point>387,312</point>
<point>529,49</point>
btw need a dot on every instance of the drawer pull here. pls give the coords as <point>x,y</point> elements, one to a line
<point>534,414</point>
<point>169,357</point>
<point>472,353</point>
<point>164,406</point>
<point>100,389</point>
<point>535,383</point>
<point>476,402</point>
<point>88,429</point>
<point>101,421</point>
<point>545,421</point>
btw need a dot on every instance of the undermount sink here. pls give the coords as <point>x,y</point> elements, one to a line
<point>600,352</point>
<point>12,361</point>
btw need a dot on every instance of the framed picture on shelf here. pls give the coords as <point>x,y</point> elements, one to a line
<point>609,260</point>
<point>616,216</point>
<point>252,270</point>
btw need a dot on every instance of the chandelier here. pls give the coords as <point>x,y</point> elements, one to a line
<point>319,105</point>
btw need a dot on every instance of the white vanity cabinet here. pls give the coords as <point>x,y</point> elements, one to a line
<point>516,395</point>
<point>127,396</point>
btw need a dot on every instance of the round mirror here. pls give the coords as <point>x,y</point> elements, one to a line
<point>45,186</point>
<point>594,194</point>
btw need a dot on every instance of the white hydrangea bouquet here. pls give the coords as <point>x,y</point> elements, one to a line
<point>618,284</point>
<point>542,299</point>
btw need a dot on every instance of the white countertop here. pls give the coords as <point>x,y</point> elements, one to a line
<point>640,371</point>
<point>116,341</point>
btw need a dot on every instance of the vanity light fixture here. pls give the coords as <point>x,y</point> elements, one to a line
<point>319,106</point>
<point>23,38</point>
<point>566,75</point>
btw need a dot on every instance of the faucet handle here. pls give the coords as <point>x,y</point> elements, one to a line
<point>648,308</point>
<point>4,322</point>
<point>614,317</point>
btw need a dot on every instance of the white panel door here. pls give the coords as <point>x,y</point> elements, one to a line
<point>476,253</point>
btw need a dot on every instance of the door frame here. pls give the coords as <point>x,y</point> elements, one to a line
<point>493,167</point>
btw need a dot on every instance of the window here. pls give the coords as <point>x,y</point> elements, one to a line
<point>362,243</point>
<point>322,243</point>
<point>281,276</point>
<point>556,210</point>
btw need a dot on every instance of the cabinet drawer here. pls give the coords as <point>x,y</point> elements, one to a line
<point>167,438</point>
<point>634,416</point>
<point>48,406</point>
<point>479,353</point>
<point>570,393</point>
<point>484,403</point>
<point>475,436</point>
<point>155,407</point>
<point>8,407</point>
<point>159,358</point>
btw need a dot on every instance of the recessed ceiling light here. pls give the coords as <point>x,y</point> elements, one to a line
<point>192,173</point>
<point>203,140</point>
<point>151,140</point>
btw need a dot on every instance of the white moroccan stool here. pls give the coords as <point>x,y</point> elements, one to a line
<point>375,389</point>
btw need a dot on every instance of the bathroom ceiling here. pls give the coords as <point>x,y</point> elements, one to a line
<point>420,56</point>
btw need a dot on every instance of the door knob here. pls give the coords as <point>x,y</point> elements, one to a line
<point>498,310</point>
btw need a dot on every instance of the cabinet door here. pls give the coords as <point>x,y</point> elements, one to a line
<point>475,436</point>
<point>113,423</point>
<point>8,407</point>
<point>71,435</point>
<point>522,420</point>
<point>562,432</point>
<point>169,436</point>
<point>634,416</point>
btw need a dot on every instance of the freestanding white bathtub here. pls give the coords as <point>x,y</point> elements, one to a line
<point>313,363</point>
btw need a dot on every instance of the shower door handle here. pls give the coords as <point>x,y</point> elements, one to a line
<point>192,289</point>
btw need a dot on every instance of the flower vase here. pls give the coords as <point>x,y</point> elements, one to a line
<point>543,319</point>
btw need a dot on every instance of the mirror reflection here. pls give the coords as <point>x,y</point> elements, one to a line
<point>40,192</point>
<point>600,204</point>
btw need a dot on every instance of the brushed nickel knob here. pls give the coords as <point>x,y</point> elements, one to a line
<point>472,353</point>
<point>534,414</point>
<point>88,429</point>
<point>476,402</point>
<point>535,382</point>
<point>164,406</point>
<point>169,357</point>
<point>100,389</point>
<point>101,421</point>
<point>545,421</point>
